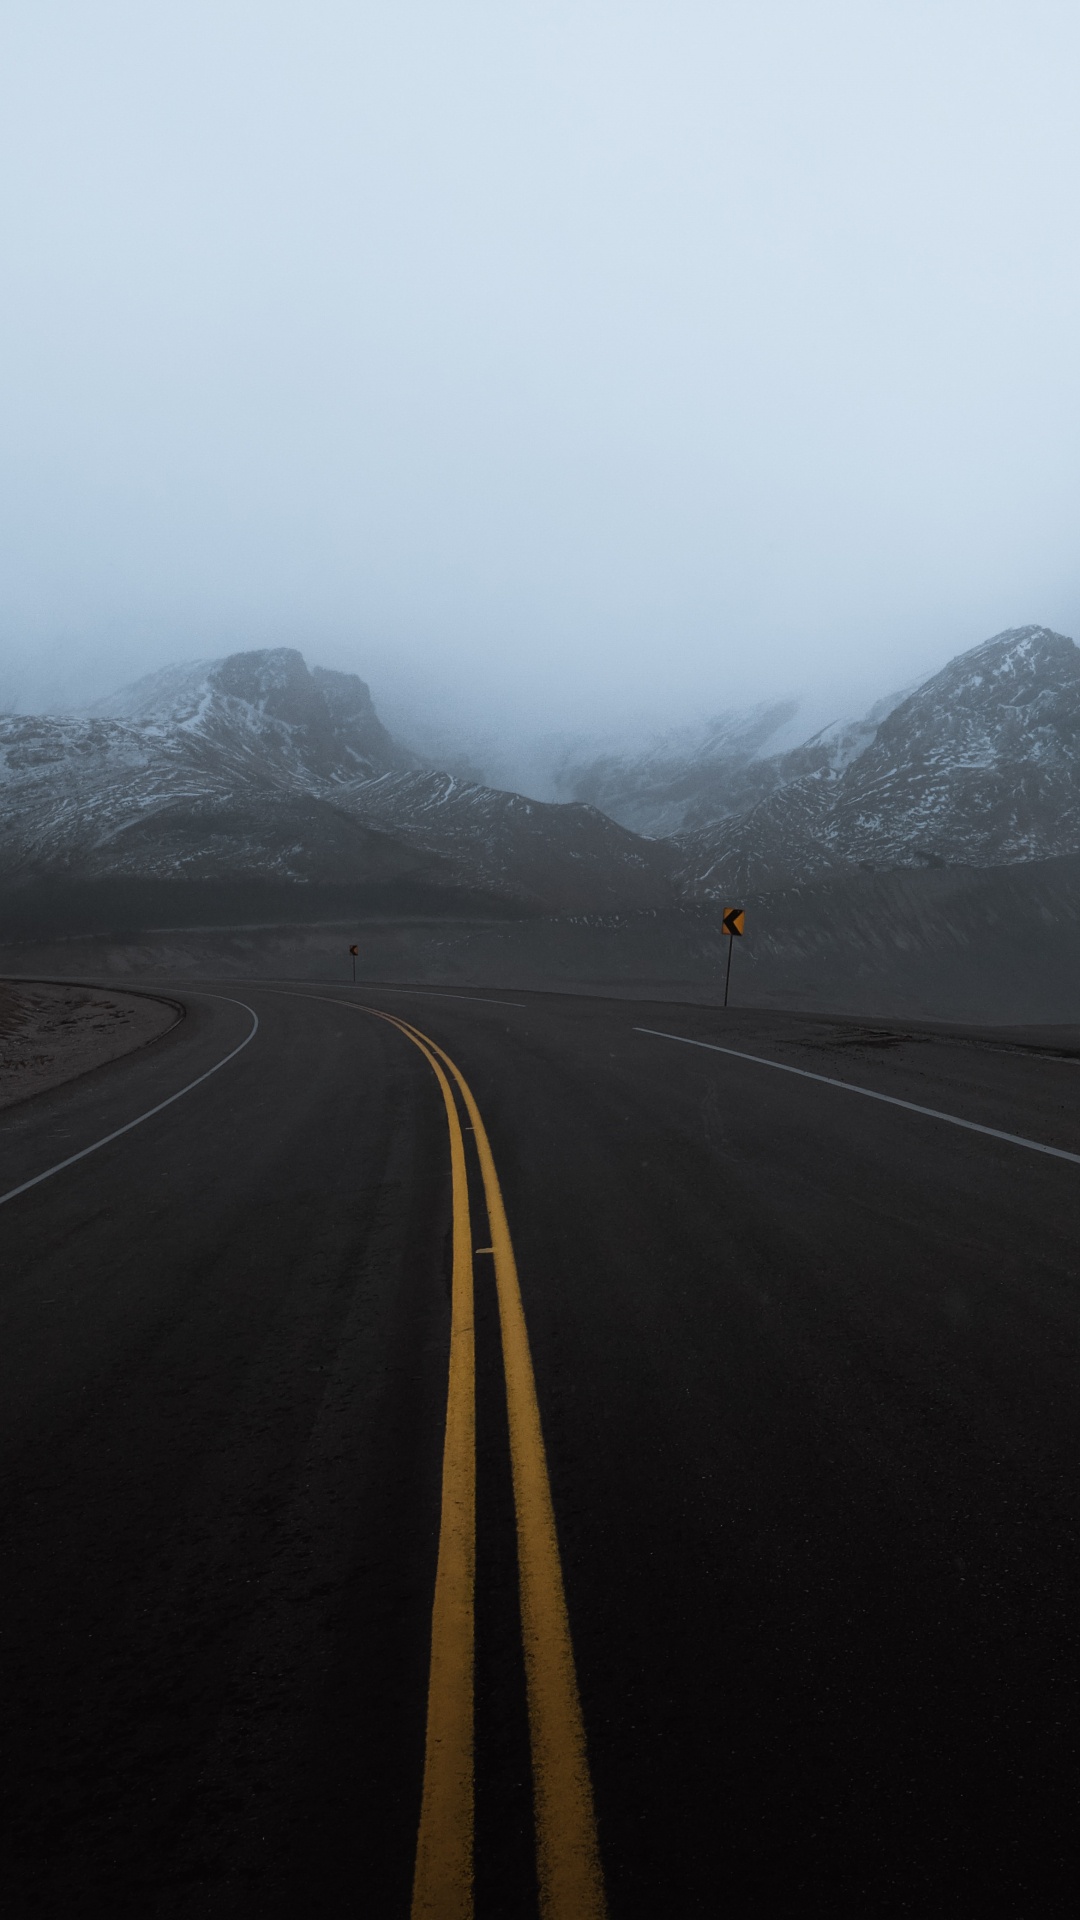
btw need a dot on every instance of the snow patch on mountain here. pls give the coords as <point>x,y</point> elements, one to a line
<point>256,766</point>
<point>979,766</point>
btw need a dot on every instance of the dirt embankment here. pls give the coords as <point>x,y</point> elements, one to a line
<point>50,1032</point>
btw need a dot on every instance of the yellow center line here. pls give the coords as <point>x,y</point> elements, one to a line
<point>443,1874</point>
<point>568,1854</point>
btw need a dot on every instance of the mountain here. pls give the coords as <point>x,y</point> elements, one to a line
<point>256,778</point>
<point>685,777</point>
<point>223,764</point>
<point>688,780</point>
<point>263,716</point>
<point>537,851</point>
<point>979,766</point>
<point>256,768</point>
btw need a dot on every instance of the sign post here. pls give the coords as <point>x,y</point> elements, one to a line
<point>732,923</point>
<point>354,951</point>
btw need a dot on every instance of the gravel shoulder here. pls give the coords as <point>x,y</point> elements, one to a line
<point>51,1032</point>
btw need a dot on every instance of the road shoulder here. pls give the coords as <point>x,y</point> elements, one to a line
<point>53,1031</point>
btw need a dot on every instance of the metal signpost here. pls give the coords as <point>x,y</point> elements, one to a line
<point>732,924</point>
<point>354,951</point>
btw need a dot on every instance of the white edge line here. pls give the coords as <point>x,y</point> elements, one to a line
<point>890,1099</point>
<point>150,1112</point>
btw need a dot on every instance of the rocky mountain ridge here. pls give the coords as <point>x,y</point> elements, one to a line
<point>688,780</point>
<point>257,767</point>
<point>264,716</point>
<point>257,770</point>
<point>979,766</point>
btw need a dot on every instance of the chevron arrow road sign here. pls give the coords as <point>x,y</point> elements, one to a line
<point>732,923</point>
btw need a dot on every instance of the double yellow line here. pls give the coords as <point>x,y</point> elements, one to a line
<point>568,1858</point>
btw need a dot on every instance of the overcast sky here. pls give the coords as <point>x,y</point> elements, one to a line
<point>546,361</point>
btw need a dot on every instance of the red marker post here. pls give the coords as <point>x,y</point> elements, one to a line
<point>732,924</point>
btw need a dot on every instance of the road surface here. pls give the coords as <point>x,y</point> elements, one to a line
<point>805,1414</point>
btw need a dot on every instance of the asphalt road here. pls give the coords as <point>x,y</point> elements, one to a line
<point>806,1370</point>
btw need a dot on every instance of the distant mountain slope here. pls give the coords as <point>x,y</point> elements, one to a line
<point>256,768</point>
<point>684,778</point>
<point>256,771</point>
<point>264,715</point>
<point>980,766</point>
<point>226,762</point>
<point>689,781</point>
<point>536,850</point>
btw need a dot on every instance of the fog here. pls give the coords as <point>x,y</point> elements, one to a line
<point>552,365</point>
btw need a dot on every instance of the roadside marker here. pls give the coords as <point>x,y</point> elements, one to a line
<point>732,924</point>
<point>354,951</point>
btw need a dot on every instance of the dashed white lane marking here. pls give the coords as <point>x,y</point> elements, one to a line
<point>890,1099</point>
<point>150,1112</point>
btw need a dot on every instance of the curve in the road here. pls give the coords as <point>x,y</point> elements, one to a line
<point>443,1875</point>
<point>117,1132</point>
<point>809,1419</point>
<point>568,1854</point>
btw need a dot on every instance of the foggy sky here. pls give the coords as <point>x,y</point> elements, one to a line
<point>546,361</point>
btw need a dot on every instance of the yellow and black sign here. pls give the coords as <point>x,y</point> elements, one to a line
<point>354,951</point>
<point>733,919</point>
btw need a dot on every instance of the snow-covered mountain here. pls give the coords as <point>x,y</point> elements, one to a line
<point>690,779</point>
<point>264,716</point>
<point>257,767</point>
<point>979,766</point>
<point>536,851</point>
<point>209,765</point>
<point>685,777</point>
